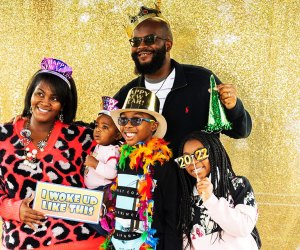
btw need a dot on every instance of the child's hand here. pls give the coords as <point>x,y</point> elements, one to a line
<point>91,161</point>
<point>17,118</point>
<point>204,188</point>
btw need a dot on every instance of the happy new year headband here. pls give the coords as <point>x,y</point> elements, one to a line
<point>107,105</point>
<point>56,67</point>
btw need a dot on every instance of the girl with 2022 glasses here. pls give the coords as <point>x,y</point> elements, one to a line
<point>218,209</point>
<point>44,147</point>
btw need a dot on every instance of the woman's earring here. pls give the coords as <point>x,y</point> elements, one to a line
<point>61,116</point>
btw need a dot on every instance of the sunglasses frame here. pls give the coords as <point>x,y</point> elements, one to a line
<point>137,121</point>
<point>187,159</point>
<point>136,41</point>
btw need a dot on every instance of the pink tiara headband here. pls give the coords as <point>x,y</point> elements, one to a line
<point>56,67</point>
<point>108,104</point>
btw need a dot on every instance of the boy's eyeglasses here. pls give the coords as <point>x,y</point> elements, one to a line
<point>200,154</point>
<point>148,40</point>
<point>135,121</point>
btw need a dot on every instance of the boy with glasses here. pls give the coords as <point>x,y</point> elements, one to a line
<point>146,194</point>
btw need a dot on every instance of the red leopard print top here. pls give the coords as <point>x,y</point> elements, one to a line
<point>61,163</point>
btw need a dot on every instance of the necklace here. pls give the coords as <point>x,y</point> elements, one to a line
<point>158,81</point>
<point>161,85</point>
<point>30,157</point>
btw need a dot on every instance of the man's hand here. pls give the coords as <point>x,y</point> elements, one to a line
<point>228,95</point>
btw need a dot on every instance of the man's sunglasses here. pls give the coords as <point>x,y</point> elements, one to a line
<point>135,121</point>
<point>200,154</point>
<point>148,40</point>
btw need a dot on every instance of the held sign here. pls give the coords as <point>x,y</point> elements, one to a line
<point>71,203</point>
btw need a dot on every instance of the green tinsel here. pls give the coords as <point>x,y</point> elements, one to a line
<point>144,236</point>
<point>150,219</point>
<point>125,152</point>
<point>217,120</point>
<point>106,245</point>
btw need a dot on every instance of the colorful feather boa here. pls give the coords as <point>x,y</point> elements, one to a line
<point>144,156</point>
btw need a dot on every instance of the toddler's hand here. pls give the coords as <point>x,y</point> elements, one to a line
<point>204,188</point>
<point>91,161</point>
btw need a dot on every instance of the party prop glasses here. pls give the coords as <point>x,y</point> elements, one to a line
<point>200,155</point>
<point>148,40</point>
<point>135,121</point>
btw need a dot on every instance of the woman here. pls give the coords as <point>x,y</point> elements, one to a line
<point>44,147</point>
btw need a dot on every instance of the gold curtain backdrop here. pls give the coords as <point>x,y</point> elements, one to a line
<point>252,43</point>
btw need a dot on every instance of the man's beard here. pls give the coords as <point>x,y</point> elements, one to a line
<point>158,59</point>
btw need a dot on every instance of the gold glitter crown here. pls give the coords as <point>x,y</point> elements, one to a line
<point>144,14</point>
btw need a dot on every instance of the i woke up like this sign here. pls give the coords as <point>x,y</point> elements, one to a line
<point>71,203</point>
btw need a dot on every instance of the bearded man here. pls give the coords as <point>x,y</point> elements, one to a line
<point>183,90</point>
